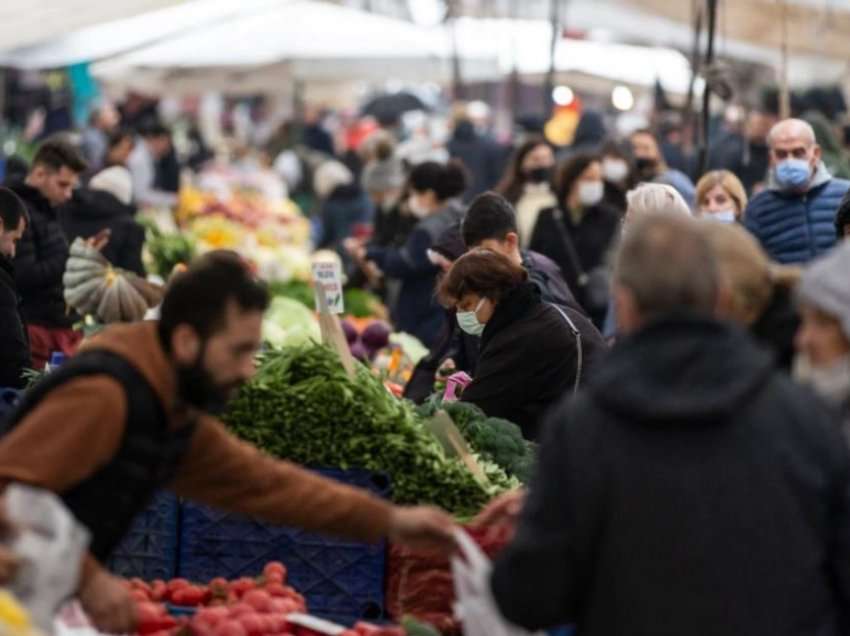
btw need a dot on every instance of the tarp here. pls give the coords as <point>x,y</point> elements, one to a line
<point>38,21</point>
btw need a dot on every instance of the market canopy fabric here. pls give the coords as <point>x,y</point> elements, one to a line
<point>34,21</point>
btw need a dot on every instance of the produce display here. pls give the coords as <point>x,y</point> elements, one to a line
<point>302,406</point>
<point>93,286</point>
<point>243,607</point>
<point>167,250</point>
<point>288,322</point>
<point>495,439</point>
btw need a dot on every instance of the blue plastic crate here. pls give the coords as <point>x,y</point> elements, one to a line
<point>8,400</point>
<point>149,551</point>
<point>341,580</point>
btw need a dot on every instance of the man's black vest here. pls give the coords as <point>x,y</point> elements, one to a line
<point>107,501</point>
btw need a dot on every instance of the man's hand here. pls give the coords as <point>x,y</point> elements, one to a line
<point>99,240</point>
<point>108,604</point>
<point>422,528</point>
<point>502,513</point>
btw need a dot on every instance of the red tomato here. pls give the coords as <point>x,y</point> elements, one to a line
<point>287,606</point>
<point>258,599</point>
<point>151,617</point>
<point>158,590</point>
<point>278,606</point>
<point>176,584</point>
<point>275,569</point>
<point>191,596</point>
<point>140,596</point>
<point>253,624</point>
<point>218,585</point>
<point>212,615</point>
<point>241,608</point>
<point>275,577</point>
<point>229,628</point>
<point>276,590</point>
<point>276,624</point>
<point>240,586</point>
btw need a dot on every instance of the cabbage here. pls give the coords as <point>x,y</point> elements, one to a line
<point>288,323</point>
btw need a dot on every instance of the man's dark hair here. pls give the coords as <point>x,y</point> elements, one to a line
<point>12,209</point>
<point>119,135</point>
<point>490,216</point>
<point>57,153</point>
<point>200,296</point>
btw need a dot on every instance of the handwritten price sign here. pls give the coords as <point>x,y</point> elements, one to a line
<point>328,279</point>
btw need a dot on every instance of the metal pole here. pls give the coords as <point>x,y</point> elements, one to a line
<point>784,90</point>
<point>706,94</point>
<point>549,83</point>
<point>458,89</point>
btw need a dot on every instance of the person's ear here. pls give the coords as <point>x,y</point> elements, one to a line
<point>512,240</point>
<point>816,154</point>
<point>626,309</point>
<point>185,344</point>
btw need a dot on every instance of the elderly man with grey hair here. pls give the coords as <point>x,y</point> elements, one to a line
<point>794,219</point>
<point>689,488</point>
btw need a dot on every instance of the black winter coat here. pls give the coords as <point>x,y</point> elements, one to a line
<point>14,344</point>
<point>91,211</point>
<point>40,262</point>
<point>690,489</point>
<point>529,359</point>
<point>591,239</point>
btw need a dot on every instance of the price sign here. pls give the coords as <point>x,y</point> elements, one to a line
<point>328,279</point>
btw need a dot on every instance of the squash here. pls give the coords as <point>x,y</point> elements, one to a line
<point>93,286</point>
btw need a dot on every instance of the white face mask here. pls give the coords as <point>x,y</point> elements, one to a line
<point>832,383</point>
<point>615,170</point>
<point>724,216</point>
<point>468,321</point>
<point>590,192</point>
<point>416,208</point>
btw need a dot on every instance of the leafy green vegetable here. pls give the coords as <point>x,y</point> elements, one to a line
<point>288,322</point>
<point>497,440</point>
<point>296,290</point>
<point>167,250</point>
<point>360,303</point>
<point>302,406</point>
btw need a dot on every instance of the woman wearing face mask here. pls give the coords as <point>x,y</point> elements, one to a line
<point>619,175</point>
<point>823,341</point>
<point>531,354</point>
<point>577,234</point>
<point>721,197</point>
<point>527,185</point>
<point>433,192</point>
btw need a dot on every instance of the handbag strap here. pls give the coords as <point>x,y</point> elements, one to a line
<point>572,253</point>
<point>579,348</point>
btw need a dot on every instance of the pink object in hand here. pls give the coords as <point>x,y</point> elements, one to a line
<point>455,384</point>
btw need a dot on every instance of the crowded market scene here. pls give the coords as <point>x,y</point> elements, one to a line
<point>425,318</point>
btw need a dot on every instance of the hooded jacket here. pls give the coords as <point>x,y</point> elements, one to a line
<point>690,489</point>
<point>91,211</point>
<point>796,227</point>
<point>14,345</point>
<point>521,372</point>
<point>483,157</point>
<point>40,262</point>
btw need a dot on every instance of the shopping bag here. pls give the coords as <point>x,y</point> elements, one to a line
<point>475,606</point>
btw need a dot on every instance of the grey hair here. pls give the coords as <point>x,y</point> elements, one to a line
<point>804,127</point>
<point>649,198</point>
<point>669,266</point>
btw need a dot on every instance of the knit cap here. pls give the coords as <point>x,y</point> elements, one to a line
<point>115,180</point>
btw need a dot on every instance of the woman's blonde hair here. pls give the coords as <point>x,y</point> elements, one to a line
<point>726,180</point>
<point>746,272</point>
<point>653,198</point>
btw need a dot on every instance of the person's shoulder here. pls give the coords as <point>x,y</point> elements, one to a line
<point>837,186</point>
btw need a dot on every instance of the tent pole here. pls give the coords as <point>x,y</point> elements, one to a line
<point>549,83</point>
<point>706,91</point>
<point>784,90</point>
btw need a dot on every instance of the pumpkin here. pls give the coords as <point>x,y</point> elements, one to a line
<point>93,286</point>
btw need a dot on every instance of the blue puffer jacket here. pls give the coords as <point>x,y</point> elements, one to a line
<point>793,227</point>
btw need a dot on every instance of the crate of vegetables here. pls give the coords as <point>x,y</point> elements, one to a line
<point>149,550</point>
<point>342,580</point>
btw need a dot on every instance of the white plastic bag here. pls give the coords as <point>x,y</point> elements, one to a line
<point>475,606</point>
<point>50,544</point>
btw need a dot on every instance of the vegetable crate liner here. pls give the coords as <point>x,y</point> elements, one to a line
<point>149,551</point>
<point>341,580</point>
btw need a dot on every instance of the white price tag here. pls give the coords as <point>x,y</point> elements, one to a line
<point>328,283</point>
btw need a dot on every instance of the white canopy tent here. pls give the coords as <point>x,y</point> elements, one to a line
<point>35,21</point>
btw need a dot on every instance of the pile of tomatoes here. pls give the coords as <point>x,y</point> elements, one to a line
<point>242,607</point>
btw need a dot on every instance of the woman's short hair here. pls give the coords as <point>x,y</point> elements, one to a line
<point>726,180</point>
<point>481,272</point>
<point>651,198</point>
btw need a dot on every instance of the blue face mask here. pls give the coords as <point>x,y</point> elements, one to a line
<point>468,321</point>
<point>724,216</point>
<point>793,174</point>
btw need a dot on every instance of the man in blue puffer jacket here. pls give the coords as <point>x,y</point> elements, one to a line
<point>794,219</point>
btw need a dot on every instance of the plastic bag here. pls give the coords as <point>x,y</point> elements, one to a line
<point>50,545</point>
<point>475,607</point>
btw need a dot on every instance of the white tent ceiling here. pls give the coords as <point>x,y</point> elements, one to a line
<point>34,21</point>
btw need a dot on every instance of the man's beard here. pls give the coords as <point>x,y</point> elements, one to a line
<point>196,387</point>
<point>831,383</point>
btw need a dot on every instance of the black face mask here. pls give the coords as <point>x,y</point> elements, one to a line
<point>196,387</point>
<point>538,175</point>
<point>646,167</point>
